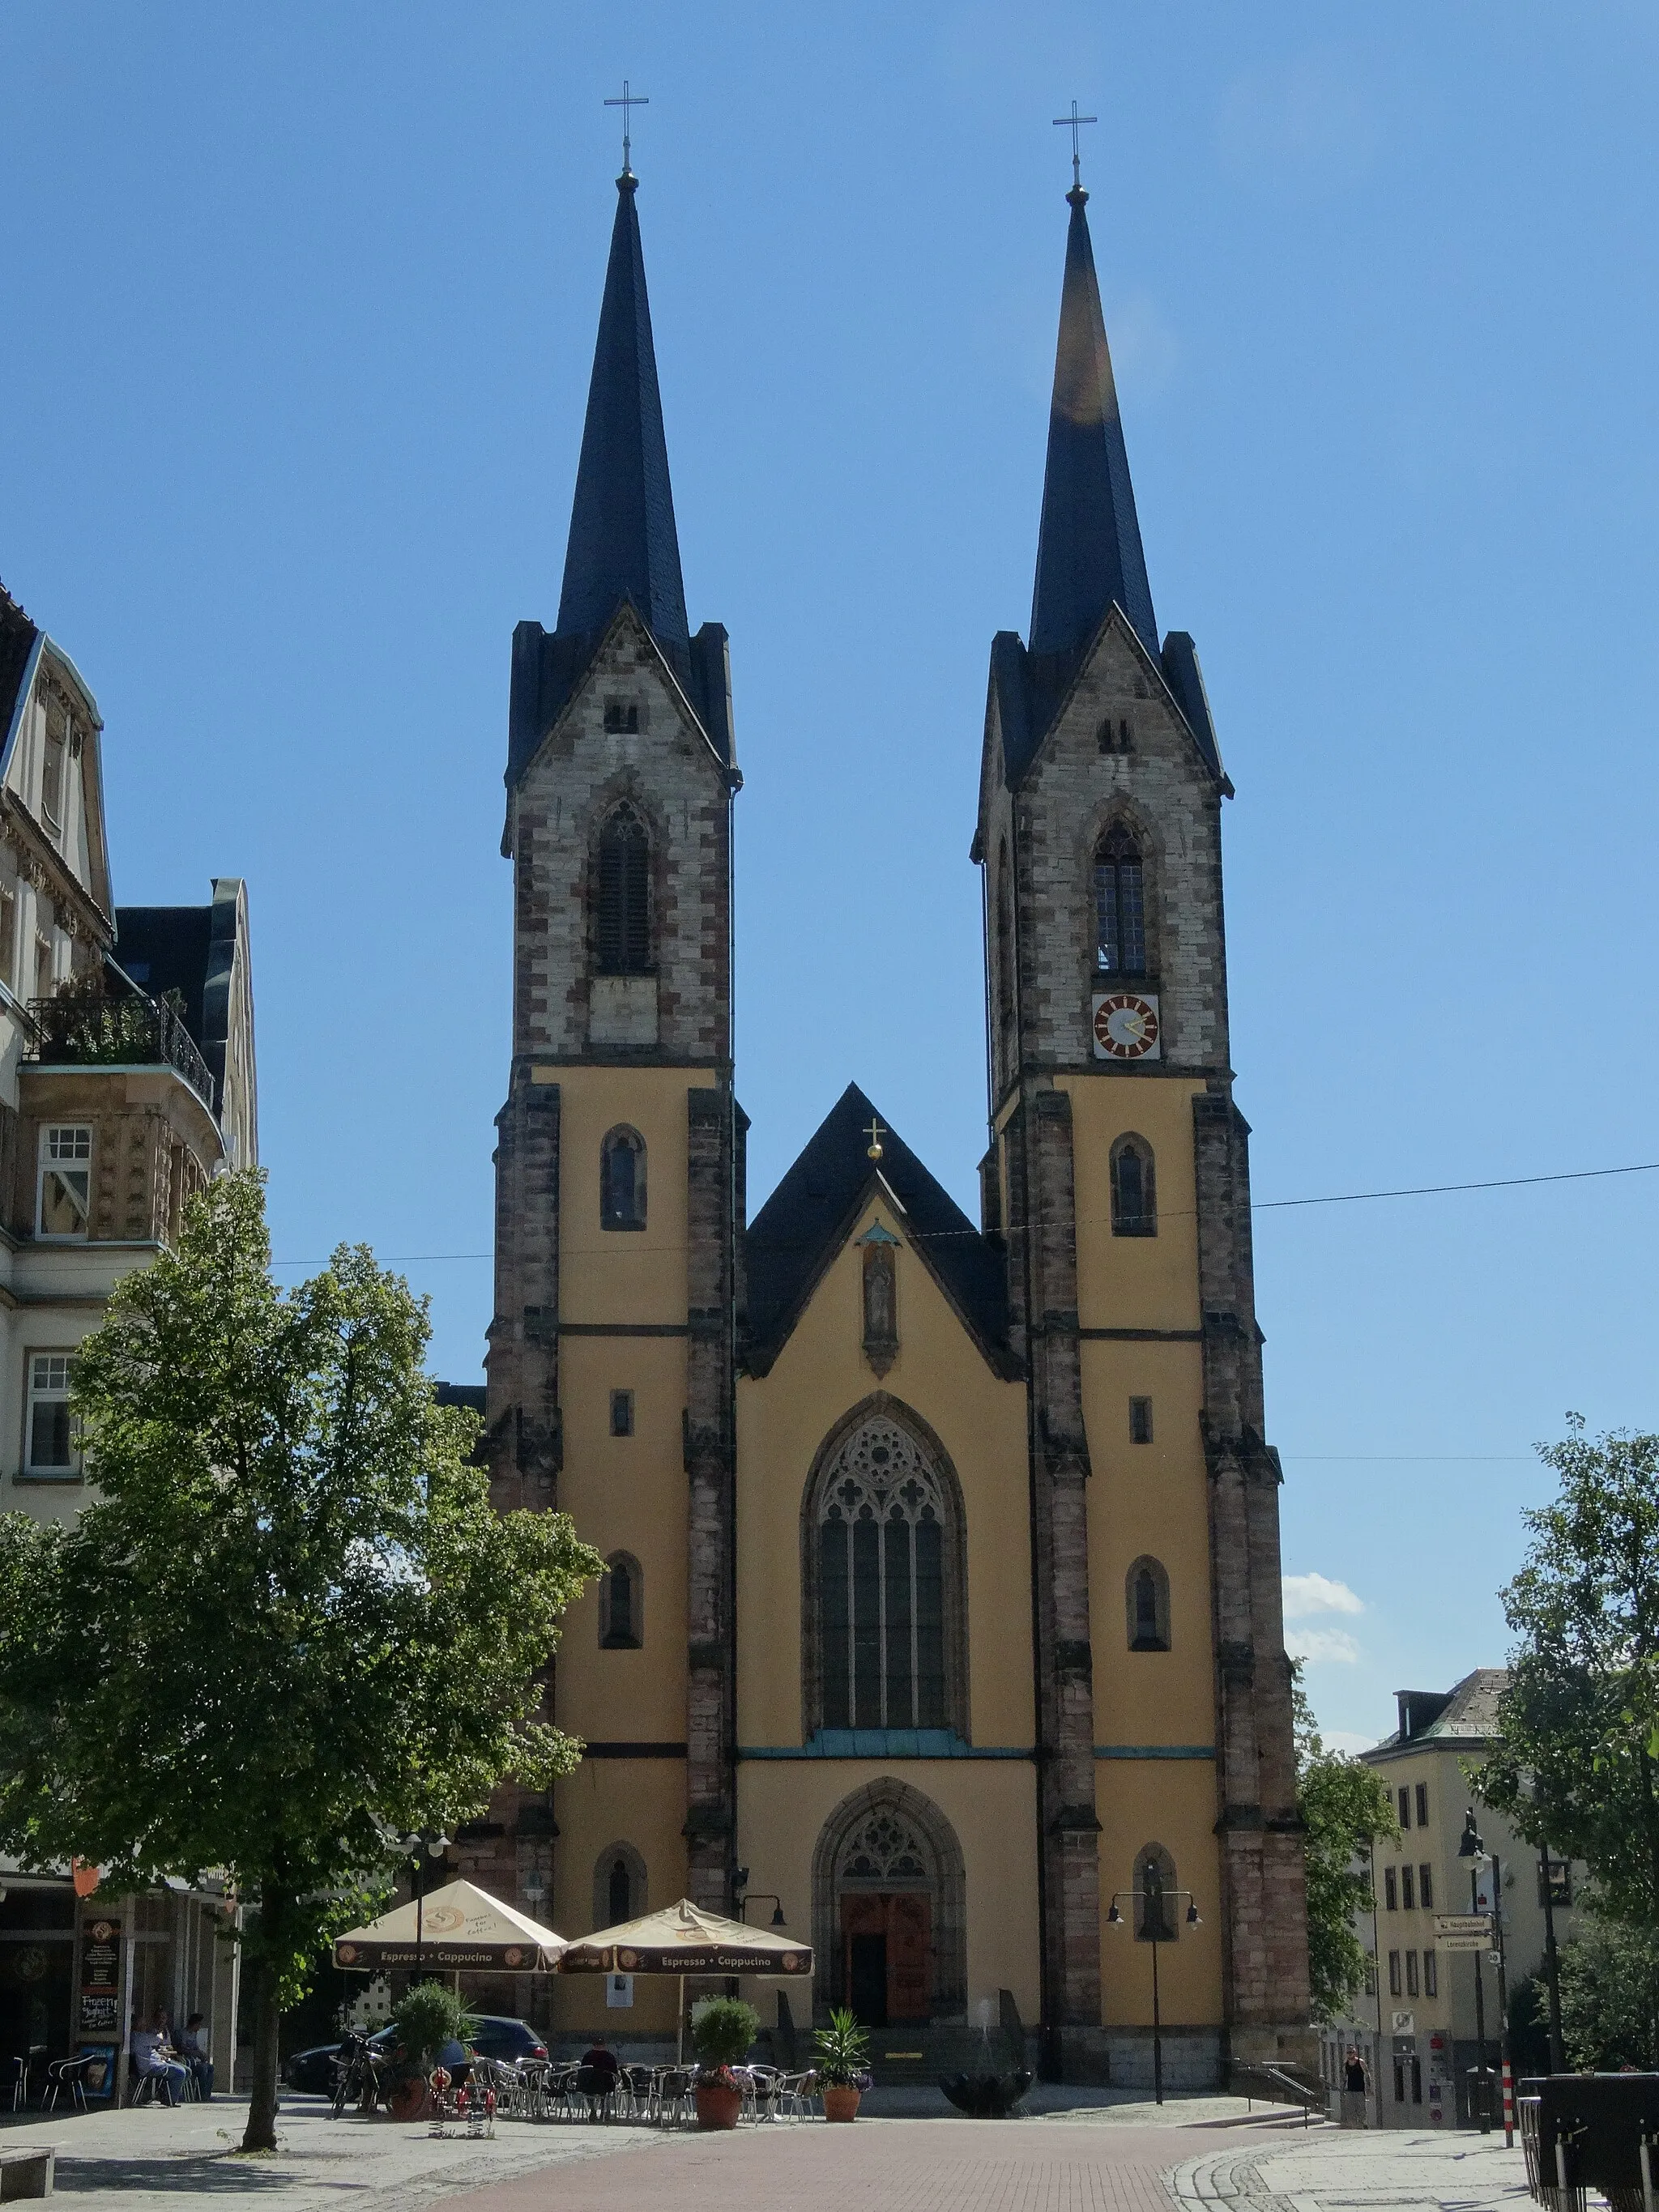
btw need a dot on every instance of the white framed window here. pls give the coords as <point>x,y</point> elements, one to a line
<point>63,1206</point>
<point>52,781</point>
<point>43,968</point>
<point>49,1445</point>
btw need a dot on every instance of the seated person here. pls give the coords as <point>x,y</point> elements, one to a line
<point>193,2050</point>
<point>151,2055</point>
<point>601,2067</point>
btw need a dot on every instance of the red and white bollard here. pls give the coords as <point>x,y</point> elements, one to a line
<point>1509,2107</point>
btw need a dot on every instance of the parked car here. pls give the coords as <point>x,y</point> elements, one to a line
<point>311,2073</point>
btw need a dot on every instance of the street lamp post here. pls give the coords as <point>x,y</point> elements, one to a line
<point>421,1845</point>
<point>1551,1961</point>
<point>1471,1847</point>
<point>1151,1898</point>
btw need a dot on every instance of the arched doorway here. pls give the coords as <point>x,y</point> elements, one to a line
<point>887,1909</point>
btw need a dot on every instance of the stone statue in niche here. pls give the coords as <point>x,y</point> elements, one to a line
<point>880,1302</point>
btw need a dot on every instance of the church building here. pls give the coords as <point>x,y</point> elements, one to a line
<point>941,1612</point>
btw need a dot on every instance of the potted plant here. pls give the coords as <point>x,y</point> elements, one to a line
<point>429,2019</point>
<point>722,2029</point>
<point>843,2065</point>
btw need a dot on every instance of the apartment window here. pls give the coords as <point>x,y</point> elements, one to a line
<point>1394,1973</point>
<point>1411,1973</point>
<point>1140,1420</point>
<point>42,969</point>
<point>1390,1890</point>
<point>1405,1809</point>
<point>9,939</point>
<point>63,1205</point>
<point>1431,1975</point>
<point>1422,1804</point>
<point>1425,1887</point>
<point>622,1412</point>
<point>1408,1901</point>
<point>50,1434</point>
<point>52,782</point>
<point>1370,1977</point>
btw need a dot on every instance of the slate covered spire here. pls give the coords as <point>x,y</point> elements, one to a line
<point>622,539</point>
<point>1088,550</point>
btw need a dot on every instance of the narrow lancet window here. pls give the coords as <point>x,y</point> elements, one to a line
<point>622,933</point>
<point>1119,905</point>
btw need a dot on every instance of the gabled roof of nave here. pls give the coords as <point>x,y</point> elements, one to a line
<point>623,547</point>
<point>818,1206</point>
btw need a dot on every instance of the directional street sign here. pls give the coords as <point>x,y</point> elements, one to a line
<point>1463,1931</point>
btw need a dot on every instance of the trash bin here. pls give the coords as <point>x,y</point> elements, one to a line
<point>1480,2089</point>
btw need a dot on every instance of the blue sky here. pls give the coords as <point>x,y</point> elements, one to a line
<point>297,338</point>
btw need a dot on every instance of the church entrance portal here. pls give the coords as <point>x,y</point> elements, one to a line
<point>887,1969</point>
<point>887,1909</point>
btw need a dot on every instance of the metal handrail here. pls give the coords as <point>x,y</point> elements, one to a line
<point>81,1031</point>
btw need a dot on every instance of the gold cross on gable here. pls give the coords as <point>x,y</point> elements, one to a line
<point>630,100</point>
<point>875,1134</point>
<point>1074,123</point>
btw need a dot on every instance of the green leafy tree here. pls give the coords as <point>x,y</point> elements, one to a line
<point>1610,1999</point>
<point>290,1622</point>
<point>1575,1760</point>
<point>1344,1808</point>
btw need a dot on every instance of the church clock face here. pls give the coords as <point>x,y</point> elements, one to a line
<point>1126,1026</point>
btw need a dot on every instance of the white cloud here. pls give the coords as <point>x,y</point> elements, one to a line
<point>1346,1740</point>
<point>1306,1593</point>
<point>1332,1644</point>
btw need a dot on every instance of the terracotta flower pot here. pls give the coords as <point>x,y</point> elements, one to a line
<point>717,2106</point>
<point>841,2101</point>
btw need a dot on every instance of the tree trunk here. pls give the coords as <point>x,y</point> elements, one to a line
<point>260,2133</point>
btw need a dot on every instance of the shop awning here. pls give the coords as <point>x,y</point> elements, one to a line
<point>457,1926</point>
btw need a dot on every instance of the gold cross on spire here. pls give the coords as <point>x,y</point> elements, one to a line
<point>1073,122</point>
<point>875,1134</point>
<point>630,100</point>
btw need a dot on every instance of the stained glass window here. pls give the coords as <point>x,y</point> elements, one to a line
<point>1119,905</point>
<point>881,1584</point>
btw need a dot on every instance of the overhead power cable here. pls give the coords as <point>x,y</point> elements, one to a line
<point>1257,1206</point>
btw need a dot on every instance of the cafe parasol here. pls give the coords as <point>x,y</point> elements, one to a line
<point>683,1939</point>
<point>458,1927</point>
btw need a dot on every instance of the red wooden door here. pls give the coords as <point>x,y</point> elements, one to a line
<point>910,1956</point>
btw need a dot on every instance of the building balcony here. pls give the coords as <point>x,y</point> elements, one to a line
<point>82,1029</point>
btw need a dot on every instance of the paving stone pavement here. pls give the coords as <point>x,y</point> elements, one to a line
<point>1078,2152</point>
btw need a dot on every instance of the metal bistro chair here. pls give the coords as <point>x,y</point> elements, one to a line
<point>151,2089</point>
<point>792,2094</point>
<point>66,2077</point>
<point>760,2094</point>
<point>599,2087</point>
<point>676,2105</point>
<point>19,2080</point>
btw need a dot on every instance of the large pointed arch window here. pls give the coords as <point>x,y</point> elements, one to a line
<point>885,1532</point>
<point>623,929</point>
<point>1120,904</point>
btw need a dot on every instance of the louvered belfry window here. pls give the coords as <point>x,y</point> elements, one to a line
<point>1119,905</point>
<point>625,915</point>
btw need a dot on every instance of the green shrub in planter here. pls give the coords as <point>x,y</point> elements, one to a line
<point>722,2029</point>
<point>428,2016</point>
<point>843,2052</point>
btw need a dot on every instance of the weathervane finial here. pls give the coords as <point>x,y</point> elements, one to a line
<point>628,99</point>
<point>1073,122</point>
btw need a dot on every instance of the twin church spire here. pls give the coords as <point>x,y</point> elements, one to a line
<point>623,544</point>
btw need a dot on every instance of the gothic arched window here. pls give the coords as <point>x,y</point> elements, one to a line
<point>622,1604</point>
<point>622,1179</point>
<point>1120,904</point>
<point>1146,1597</point>
<point>1156,1900</point>
<point>886,1578</point>
<point>1135,1188</point>
<point>618,1886</point>
<point>622,927</point>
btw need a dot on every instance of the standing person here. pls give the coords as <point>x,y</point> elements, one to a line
<point>193,2050</point>
<point>1353,2070</point>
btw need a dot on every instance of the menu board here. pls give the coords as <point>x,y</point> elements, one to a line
<point>100,1979</point>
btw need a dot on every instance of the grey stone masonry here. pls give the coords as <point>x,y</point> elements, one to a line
<point>666,768</point>
<point>524,1429</point>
